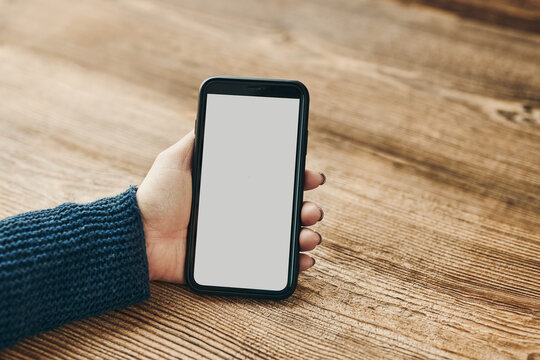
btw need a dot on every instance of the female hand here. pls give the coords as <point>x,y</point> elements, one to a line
<point>164,199</point>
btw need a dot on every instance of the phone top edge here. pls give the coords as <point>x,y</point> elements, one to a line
<point>246,78</point>
<point>243,83</point>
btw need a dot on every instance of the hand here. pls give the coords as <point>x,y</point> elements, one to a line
<point>164,199</point>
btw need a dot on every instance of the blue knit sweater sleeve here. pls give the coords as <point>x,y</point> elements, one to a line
<point>70,262</point>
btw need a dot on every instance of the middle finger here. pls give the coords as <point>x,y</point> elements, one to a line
<point>311,213</point>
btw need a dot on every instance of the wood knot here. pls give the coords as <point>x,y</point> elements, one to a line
<point>527,114</point>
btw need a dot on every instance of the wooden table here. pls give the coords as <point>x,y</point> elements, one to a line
<point>425,120</point>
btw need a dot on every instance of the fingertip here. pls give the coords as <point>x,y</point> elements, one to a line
<point>313,179</point>
<point>311,213</point>
<point>306,262</point>
<point>309,239</point>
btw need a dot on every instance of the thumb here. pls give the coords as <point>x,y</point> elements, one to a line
<point>180,154</point>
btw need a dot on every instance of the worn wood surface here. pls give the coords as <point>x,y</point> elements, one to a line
<point>516,14</point>
<point>427,125</point>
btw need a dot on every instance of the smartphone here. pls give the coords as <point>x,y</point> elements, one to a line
<point>248,179</point>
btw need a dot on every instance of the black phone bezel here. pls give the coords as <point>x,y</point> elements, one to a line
<point>250,87</point>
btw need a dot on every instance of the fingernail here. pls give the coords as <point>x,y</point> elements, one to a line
<point>320,238</point>
<point>313,261</point>
<point>323,178</point>
<point>322,214</point>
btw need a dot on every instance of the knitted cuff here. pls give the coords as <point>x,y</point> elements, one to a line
<point>69,263</point>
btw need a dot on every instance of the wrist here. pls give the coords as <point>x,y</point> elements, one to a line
<point>146,233</point>
<point>149,252</point>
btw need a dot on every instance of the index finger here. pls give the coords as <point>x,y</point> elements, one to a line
<point>313,179</point>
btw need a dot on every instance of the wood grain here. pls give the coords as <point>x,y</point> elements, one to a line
<point>426,124</point>
<point>516,14</point>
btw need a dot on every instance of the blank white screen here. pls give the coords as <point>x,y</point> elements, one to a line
<point>246,193</point>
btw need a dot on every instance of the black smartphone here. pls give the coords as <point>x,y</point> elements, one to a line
<point>248,180</point>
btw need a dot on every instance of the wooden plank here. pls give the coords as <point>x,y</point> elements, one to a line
<point>516,14</point>
<point>427,126</point>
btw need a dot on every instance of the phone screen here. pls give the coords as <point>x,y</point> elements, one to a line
<point>246,191</point>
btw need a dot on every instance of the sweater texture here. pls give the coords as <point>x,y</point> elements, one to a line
<point>70,262</point>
